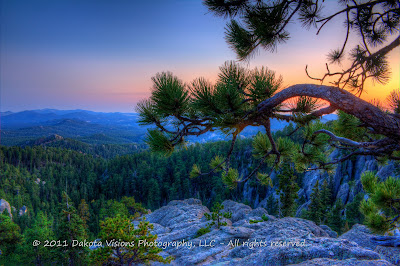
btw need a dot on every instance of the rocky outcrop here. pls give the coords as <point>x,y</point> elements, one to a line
<point>329,231</point>
<point>391,254</point>
<point>23,210</point>
<point>238,210</point>
<point>4,205</point>
<point>252,237</point>
<point>361,235</point>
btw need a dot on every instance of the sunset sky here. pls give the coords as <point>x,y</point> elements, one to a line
<point>100,55</point>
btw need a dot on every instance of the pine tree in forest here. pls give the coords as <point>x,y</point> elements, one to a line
<point>10,237</point>
<point>83,212</point>
<point>315,209</point>
<point>135,209</point>
<point>353,213</point>
<point>335,219</point>
<point>70,229</point>
<point>138,249</point>
<point>42,230</point>
<point>288,189</point>
<point>326,196</point>
<point>272,205</point>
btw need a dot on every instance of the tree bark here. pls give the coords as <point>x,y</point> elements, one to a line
<point>370,115</point>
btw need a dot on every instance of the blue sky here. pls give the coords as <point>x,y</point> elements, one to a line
<point>100,55</point>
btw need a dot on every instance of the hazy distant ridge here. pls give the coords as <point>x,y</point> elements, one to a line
<point>92,127</point>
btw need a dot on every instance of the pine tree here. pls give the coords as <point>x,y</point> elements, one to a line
<point>134,252</point>
<point>41,230</point>
<point>353,214</point>
<point>272,205</point>
<point>83,212</point>
<point>10,236</point>
<point>335,218</point>
<point>315,209</point>
<point>288,189</point>
<point>70,228</point>
<point>216,216</point>
<point>326,198</point>
<point>135,209</point>
<point>382,209</point>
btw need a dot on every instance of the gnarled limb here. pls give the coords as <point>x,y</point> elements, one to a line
<point>372,116</point>
<point>352,143</point>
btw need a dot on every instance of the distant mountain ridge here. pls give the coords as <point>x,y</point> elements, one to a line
<point>38,117</point>
<point>19,128</point>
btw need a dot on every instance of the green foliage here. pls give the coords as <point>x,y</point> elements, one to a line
<point>203,99</point>
<point>217,163</point>
<point>348,126</point>
<point>112,208</point>
<point>70,228</point>
<point>264,24</point>
<point>286,147</point>
<point>263,84</point>
<point>201,107</point>
<point>256,221</point>
<point>83,212</point>
<point>353,214</point>
<point>203,231</point>
<point>230,178</point>
<point>195,171</point>
<point>306,104</point>
<point>121,228</point>
<point>335,219</point>
<point>264,179</point>
<point>135,209</point>
<point>127,207</point>
<point>240,40</point>
<point>10,236</point>
<point>321,203</point>
<point>169,95</point>
<point>41,230</point>
<point>261,145</point>
<point>382,208</point>
<point>264,218</point>
<point>315,209</point>
<point>147,113</point>
<point>158,142</point>
<point>326,196</point>
<point>272,205</point>
<point>288,189</point>
<point>369,181</point>
<point>216,216</point>
<point>394,101</point>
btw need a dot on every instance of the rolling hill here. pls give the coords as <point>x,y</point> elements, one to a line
<point>95,128</point>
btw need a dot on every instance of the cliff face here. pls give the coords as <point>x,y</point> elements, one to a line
<point>4,205</point>
<point>346,180</point>
<point>252,237</point>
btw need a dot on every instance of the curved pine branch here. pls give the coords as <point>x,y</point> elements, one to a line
<point>370,115</point>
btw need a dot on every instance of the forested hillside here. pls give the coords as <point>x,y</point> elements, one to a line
<point>37,176</point>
